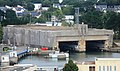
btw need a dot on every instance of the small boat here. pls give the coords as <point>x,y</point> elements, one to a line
<point>58,54</point>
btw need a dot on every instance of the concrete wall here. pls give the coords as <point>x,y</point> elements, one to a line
<point>83,67</point>
<point>50,36</point>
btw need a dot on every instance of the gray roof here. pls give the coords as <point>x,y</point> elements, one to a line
<point>20,69</point>
<point>3,8</point>
<point>34,14</point>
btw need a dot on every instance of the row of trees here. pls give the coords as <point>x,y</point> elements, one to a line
<point>25,2</point>
<point>94,1</point>
<point>10,18</point>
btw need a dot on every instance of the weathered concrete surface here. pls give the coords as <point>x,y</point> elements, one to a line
<point>37,36</point>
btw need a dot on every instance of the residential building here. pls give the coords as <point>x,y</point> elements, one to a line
<point>35,14</point>
<point>19,10</point>
<point>100,64</point>
<point>107,64</point>
<point>38,6</point>
<point>107,7</point>
<point>57,6</point>
<point>69,18</point>
<point>45,8</point>
<point>86,66</point>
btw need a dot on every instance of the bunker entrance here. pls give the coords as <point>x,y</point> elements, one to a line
<point>68,46</point>
<point>94,46</point>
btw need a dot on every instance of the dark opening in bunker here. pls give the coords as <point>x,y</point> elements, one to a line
<point>94,46</point>
<point>68,46</point>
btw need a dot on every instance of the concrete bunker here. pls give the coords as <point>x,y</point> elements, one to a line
<point>73,46</point>
<point>94,45</point>
<point>66,46</point>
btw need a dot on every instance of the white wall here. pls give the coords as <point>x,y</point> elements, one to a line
<point>37,6</point>
<point>5,58</point>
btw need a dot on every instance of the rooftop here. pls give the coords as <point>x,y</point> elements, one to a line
<point>86,63</point>
<point>39,27</point>
<point>107,59</point>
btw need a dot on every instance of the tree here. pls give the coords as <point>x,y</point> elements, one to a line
<point>30,7</point>
<point>46,3</point>
<point>70,66</point>
<point>93,18</point>
<point>11,18</point>
<point>41,19</point>
<point>68,10</point>
<point>59,14</point>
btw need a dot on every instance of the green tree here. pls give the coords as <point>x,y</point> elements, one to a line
<point>42,19</point>
<point>70,66</point>
<point>68,10</point>
<point>30,7</point>
<point>46,2</point>
<point>10,14</point>
<point>24,20</point>
<point>59,14</point>
<point>93,19</point>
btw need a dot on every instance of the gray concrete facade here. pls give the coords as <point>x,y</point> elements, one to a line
<point>51,36</point>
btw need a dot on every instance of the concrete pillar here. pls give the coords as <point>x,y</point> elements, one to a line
<point>82,45</point>
<point>56,46</point>
<point>106,44</point>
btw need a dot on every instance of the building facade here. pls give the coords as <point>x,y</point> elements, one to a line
<point>100,64</point>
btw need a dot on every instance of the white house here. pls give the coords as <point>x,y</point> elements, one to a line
<point>69,18</point>
<point>18,9</point>
<point>38,6</point>
<point>45,8</point>
<point>57,6</point>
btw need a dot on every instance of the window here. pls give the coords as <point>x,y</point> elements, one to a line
<point>99,68</point>
<point>115,68</point>
<point>110,68</point>
<point>92,68</point>
<point>103,68</point>
<point>107,68</point>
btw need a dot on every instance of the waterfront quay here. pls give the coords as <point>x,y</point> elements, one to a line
<point>9,59</point>
<point>11,55</point>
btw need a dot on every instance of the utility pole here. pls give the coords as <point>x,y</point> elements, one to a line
<point>30,19</point>
<point>77,15</point>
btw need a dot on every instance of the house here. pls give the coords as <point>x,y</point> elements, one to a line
<point>69,18</point>
<point>100,64</point>
<point>3,9</point>
<point>45,8</point>
<point>107,7</point>
<point>38,6</point>
<point>57,6</point>
<point>19,10</point>
<point>35,14</point>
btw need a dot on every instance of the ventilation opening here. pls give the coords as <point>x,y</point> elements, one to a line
<point>94,46</point>
<point>68,46</point>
